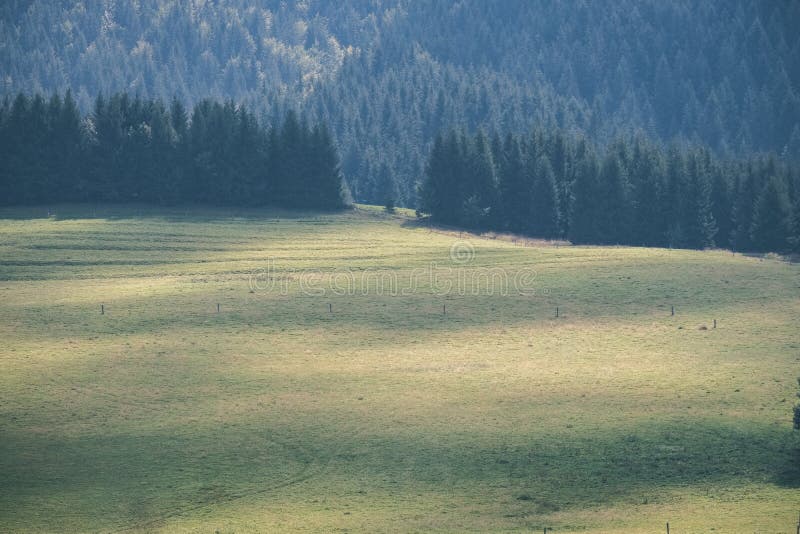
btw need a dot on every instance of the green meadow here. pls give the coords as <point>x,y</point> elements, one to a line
<point>365,373</point>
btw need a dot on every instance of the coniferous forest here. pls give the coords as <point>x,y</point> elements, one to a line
<point>638,122</point>
<point>133,149</point>
<point>549,185</point>
<point>388,76</point>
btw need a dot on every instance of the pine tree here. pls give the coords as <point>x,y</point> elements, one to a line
<point>794,240</point>
<point>482,198</point>
<point>612,215</point>
<point>544,203</point>
<point>647,196</point>
<point>675,198</point>
<point>179,162</point>
<point>515,188</point>
<point>698,219</point>
<point>746,192</point>
<point>325,174</point>
<point>585,208</point>
<point>71,184</point>
<point>772,224</point>
<point>289,185</point>
<point>562,157</point>
<point>438,191</point>
<point>161,184</point>
<point>721,207</point>
<point>17,151</point>
<point>793,146</point>
<point>6,182</point>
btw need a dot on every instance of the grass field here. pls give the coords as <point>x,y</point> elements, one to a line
<point>386,414</point>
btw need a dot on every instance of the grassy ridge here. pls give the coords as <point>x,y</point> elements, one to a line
<point>277,414</point>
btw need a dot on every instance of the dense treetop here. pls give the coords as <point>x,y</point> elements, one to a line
<point>389,75</point>
<point>141,150</point>
<point>547,184</point>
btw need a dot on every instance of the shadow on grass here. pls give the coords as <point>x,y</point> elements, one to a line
<point>189,213</point>
<point>106,480</point>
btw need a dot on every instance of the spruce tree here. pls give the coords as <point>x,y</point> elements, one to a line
<point>177,170</point>
<point>746,193</point>
<point>515,188</point>
<point>698,219</point>
<point>772,217</point>
<point>675,198</point>
<point>612,214</point>
<point>794,240</point>
<point>721,208</point>
<point>585,208</point>
<point>483,196</point>
<point>385,188</point>
<point>544,202</point>
<point>647,196</point>
<point>71,183</point>
<point>438,192</point>
<point>325,174</point>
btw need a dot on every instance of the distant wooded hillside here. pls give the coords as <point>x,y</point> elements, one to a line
<point>387,76</point>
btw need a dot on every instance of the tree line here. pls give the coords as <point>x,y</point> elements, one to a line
<point>133,149</point>
<point>388,76</point>
<point>633,192</point>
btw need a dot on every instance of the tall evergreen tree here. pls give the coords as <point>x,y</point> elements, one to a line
<point>772,217</point>
<point>482,196</point>
<point>648,214</point>
<point>514,187</point>
<point>698,218</point>
<point>326,177</point>
<point>721,207</point>
<point>438,195</point>
<point>544,202</point>
<point>585,208</point>
<point>386,188</point>
<point>612,214</point>
<point>746,191</point>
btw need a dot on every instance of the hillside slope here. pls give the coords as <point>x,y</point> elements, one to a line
<point>389,75</point>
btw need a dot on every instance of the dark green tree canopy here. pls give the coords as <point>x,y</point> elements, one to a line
<point>633,192</point>
<point>135,149</point>
<point>388,76</point>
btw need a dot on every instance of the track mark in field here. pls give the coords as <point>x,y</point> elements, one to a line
<point>311,469</point>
